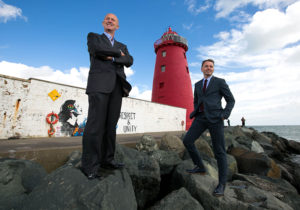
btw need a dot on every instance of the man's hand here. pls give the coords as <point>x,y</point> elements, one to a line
<point>122,54</point>
<point>109,58</point>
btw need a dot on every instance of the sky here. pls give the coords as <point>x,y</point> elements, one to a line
<point>255,45</point>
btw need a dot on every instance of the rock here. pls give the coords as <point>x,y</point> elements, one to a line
<point>261,138</point>
<point>296,176</point>
<point>167,160</point>
<point>245,141</point>
<point>68,188</point>
<point>232,167</point>
<point>255,147</point>
<point>147,144</point>
<point>179,199</point>
<point>172,143</point>
<point>204,147</point>
<point>294,146</point>
<point>279,188</point>
<point>239,195</point>
<point>251,197</point>
<point>17,179</point>
<point>252,162</point>
<point>74,159</point>
<point>144,172</point>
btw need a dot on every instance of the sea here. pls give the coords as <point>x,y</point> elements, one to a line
<point>290,132</point>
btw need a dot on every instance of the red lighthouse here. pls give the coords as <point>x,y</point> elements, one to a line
<point>172,83</point>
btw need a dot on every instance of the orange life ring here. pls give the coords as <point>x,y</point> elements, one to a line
<point>49,117</point>
<point>51,131</point>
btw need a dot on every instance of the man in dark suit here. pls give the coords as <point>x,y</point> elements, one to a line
<point>209,114</point>
<point>105,88</point>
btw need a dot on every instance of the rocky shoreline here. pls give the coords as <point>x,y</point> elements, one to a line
<point>262,175</point>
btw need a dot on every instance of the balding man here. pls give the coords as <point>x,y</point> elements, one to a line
<point>105,88</point>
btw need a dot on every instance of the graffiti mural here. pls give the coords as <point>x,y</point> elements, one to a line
<point>71,118</point>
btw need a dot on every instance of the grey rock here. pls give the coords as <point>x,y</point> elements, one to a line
<point>239,195</point>
<point>68,188</point>
<point>178,200</point>
<point>167,160</point>
<point>17,179</point>
<point>147,144</point>
<point>294,146</point>
<point>144,172</point>
<point>255,147</point>
<point>172,143</point>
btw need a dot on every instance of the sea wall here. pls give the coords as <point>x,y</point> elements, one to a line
<point>25,105</point>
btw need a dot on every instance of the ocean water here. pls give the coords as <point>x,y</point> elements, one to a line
<point>290,132</point>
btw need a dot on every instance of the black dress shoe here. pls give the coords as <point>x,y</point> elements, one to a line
<point>219,191</point>
<point>113,166</point>
<point>196,170</point>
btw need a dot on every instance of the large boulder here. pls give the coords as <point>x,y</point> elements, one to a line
<point>239,195</point>
<point>147,144</point>
<point>167,160</point>
<point>172,143</point>
<point>255,163</point>
<point>294,146</point>
<point>17,179</point>
<point>178,199</point>
<point>144,172</point>
<point>68,188</point>
<point>279,188</point>
<point>204,147</point>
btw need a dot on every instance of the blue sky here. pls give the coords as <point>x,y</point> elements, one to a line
<point>255,44</point>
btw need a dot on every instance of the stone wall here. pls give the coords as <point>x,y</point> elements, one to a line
<point>25,104</point>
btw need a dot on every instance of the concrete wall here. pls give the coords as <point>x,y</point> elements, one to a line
<point>24,105</point>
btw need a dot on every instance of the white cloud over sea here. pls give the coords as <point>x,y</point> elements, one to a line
<point>263,58</point>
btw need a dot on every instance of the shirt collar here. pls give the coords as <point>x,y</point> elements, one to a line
<point>208,79</point>
<point>110,38</point>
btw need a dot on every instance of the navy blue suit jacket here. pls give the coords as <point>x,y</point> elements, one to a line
<point>211,99</point>
<point>102,74</point>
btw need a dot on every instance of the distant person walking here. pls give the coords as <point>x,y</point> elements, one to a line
<point>209,114</point>
<point>105,88</point>
<point>243,121</point>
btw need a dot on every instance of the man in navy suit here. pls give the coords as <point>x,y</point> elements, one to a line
<point>209,114</point>
<point>105,88</point>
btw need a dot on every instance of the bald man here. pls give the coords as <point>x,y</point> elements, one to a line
<point>105,88</point>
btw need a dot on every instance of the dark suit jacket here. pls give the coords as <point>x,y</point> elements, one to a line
<point>211,99</point>
<point>102,74</point>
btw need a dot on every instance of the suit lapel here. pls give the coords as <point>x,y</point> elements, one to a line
<point>201,87</point>
<point>104,37</point>
<point>210,84</point>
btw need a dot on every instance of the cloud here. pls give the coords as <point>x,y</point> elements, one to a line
<point>263,61</point>
<point>136,93</point>
<point>260,41</point>
<point>226,7</point>
<point>74,76</point>
<point>194,9</point>
<point>187,27</point>
<point>8,12</point>
<point>128,71</point>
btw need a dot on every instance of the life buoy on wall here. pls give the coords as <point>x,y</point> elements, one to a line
<point>49,118</point>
